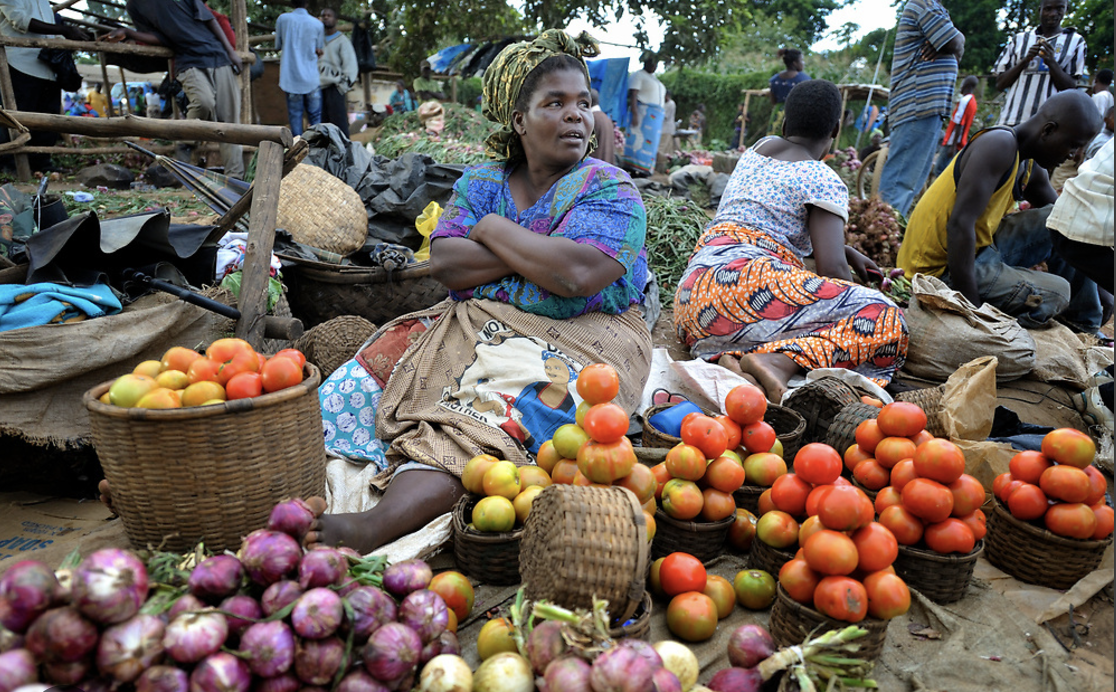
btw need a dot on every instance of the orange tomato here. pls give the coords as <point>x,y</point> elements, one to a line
<point>606,422</point>
<point>831,553</point>
<point>777,529</point>
<point>202,370</point>
<point>294,354</point>
<point>280,373</point>
<point>473,476</point>
<point>799,581</point>
<point>179,358</point>
<point>746,404</point>
<point>758,437</point>
<point>1028,466</point>
<point>877,547</point>
<point>732,431</point>
<point>1069,446</point>
<point>244,385</point>
<point>901,419</point>
<point>839,509</point>
<point>841,598</point>
<point>692,616</point>
<point>927,499</point>
<point>977,523</point>
<point>888,595</point>
<point>743,530</point>
<point>1097,484</point>
<point>547,456</point>
<point>818,463</point>
<point>939,460</point>
<point>1103,514</point>
<point>724,596</point>
<point>686,462</point>
<point>968,494</point>
<point>789,493</point>
<point>725,474</point>
<point>1071,519</point>
<point>887,497</point>
<point>853,456</point>
<point>1066,483</point>
<point>682,499</point>
<point>707,434</point>
<point>872,474</point>
<point>716,505</point>
<point>456,590</point>
<point>763,468</point>
<point>641,481</point>
<point>603,462</point>
<point>598,383</point>
<point>764,503</point>
<point>906,527</point>
<point>662,475</point>
<point>868,435</point>
<point>903,473</point>
<point>534,476</point>
<point>949,536</point>
<point>808,528</point>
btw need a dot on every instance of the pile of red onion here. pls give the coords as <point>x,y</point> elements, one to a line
<point>748,646</point>
<point>274,618</point>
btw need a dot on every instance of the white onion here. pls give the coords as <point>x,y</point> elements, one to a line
<point>678,659</point>
<point>504,672</point>
<point>446,673</point>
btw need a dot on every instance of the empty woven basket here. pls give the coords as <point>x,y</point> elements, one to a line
<point>322,211</point>
<point>332,343</point>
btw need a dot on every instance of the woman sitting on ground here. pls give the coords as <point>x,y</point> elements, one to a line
<point>747,300</point>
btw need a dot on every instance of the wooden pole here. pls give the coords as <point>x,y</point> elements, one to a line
<point>106,87</point>
<point>127,99</point>
<point>261,238</point>
<point>136,126</point>
<point>65,5</point>
<point>239,16</point>
<point>366,89</point>
<point>7,93</point>
<point>841,122</point>
<point>744,123</point>
<point>102,47</point>
<point>102,151</point>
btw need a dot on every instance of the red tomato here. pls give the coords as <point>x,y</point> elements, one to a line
<point>949,536</point>
<point>789,493</point>
<point>840,509</point>
<point>868,435</point>
<point>1000,483</point>
<point>1104,517</point>
<point>716,505</point>
<point>1028,466</point>
<point>1066,483</point>
<point>977,523</point>
<point>641,481</point>
<point>732,431</point>
<point>891,450</point>
<point>903,473</point>
<point>722,593</point>
<point>606,422</point>
<point>901,419</point>
<point>564,472</point>
<point>224,350</point>
<point>887,497</point>
<point>681,572</point>
<point>799,581</point>
<point>686,462</point>
<point>906,527</point>
<point>841,598</point>
<point>830,553</point>
<point>876,546</point>
<point>871,474</point>
<point>280,373</point>
<point>202,370</point>
<point>294,354</point>
<point>746,404</point>
<point>725,474</point>
<point>853,456</point>
<point>598,383</point>
<point>968,495</point>
<point>758,437</point>
<point>602,462</point>
<point>814,498</point>
<point>777,529</point>
<point>662,475</point>
<point>1069,446</point>
<point>1072,520</point>
<point>923,436</point>
<point>888,595</point>
<point>455,590</point>
<point>244,385</point>
<point>1097,485</point>
<point>808,528</point>
<point>939,460</point>
<point>743,530</point>
<point>764,503</point>
<point>927,499</point>
<point>818,463</point>
<point>682,499</point>
<point>692,616</point>
<point>706,434</point>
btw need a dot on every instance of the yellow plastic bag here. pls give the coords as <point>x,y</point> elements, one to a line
<point>425,223</point>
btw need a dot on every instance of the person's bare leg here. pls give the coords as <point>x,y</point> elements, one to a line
<point>772,370</point>
<point>732,363</point>
<point>412,500</point>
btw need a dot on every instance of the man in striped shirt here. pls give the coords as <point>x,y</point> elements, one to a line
<point>1037,64</point>
<point>927,50</point>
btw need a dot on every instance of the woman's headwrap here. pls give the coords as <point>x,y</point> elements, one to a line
<point>505,76</point>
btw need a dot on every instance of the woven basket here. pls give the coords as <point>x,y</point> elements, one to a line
<point>819,402</point>
<point>789,426</point>
<point>490,558</point>
<point>941,578</point>
<point>1037,556</point>
<point>792,623</point>
<point>322,211</point>
<point>331,344</point>
<point>638,626</point>
<point>582,542</point>
<point>209,473</point>
<point>842,431</point>
<point>930,401</point>
<point>705,540</point>
<point>319,292</point>
<point>652,436</point>
<point>770,560</point>
<point>747,497</point>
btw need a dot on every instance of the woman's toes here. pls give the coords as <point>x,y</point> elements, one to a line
<point>317,505</point>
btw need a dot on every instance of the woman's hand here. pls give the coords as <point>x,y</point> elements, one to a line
<point>864,267</point>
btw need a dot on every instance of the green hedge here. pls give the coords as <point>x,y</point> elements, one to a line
<point>721,95</point>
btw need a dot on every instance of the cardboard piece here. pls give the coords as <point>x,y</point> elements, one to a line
<point>37,527</point>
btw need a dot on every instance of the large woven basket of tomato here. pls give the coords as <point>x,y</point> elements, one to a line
<point>201,447</point>
<point>793,623</point>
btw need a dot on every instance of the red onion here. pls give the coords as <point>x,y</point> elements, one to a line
<point>665,681</point>
<point>322,567</point>
<point>621,669</point>
<point>317,614</point>
<point>65,591</point>
<point>17,668</point>
<point>163,679</point>
<point>215,578</point>
<point>444,643</point>
<point>316,661</point>
<point>748,645</point>
<point>372,609</point>
<point>425,612</point>
<point>269,647</point>
<point>110,586</point>
<point>645,650</point>
<point>191,637</point>
<point>392,652</point>
<point>61,635</point>
<point>360,681</point>
<point>287,682</point>
<point>187,603</point>
<point>98,684</point>
<point>221,672</point>
<point>292,517</point>
<point>280,595</point>
<point>544,644</point>
<point>268,556</point>
<point>349,552</point>
<point>245,611</point>
<point>67,672</point>
<point>736,680</point>
<point>568,674</point>
<point>410,575</point>
<point>128,649</point>
<point>27,589</point>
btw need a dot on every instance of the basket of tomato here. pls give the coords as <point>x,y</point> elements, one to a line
<point>1051,524</point>
<point>793,623</point>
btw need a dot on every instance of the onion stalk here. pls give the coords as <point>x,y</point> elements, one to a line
<point>823,661</point>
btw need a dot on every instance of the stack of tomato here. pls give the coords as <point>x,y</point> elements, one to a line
<point>508,492</point>
<point>230,369</point>
<point>884,442</point>
<point>697,599</point>
<point>1058,485</point>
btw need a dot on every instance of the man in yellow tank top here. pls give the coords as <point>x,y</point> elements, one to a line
<point>958,230</point>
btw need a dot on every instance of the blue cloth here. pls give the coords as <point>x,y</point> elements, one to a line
<point>610,78</point>
<point>642,143</point>
<point>34,305</point>
<point>540,419</point>
<point>299,36</point>
<point>781,88</point>
<point>401,102</point>
<point>443,60</point>
<point>310,104</point>
<point>910,155</point>
<point>349,398</point>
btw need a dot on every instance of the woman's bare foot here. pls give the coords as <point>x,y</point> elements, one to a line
<point>732,363</point>
<point>105,496</point>
<point>350,530</point>
<point>772,370</point>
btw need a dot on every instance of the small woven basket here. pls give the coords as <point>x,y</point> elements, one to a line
<point>638,626</point>
<point>930,401</point>
<point>490,558</point>
<point>941,578</point>
<point>333,343</point>
<point>842,431</point>
<point>582,542</point>
<point>770,560</point>
<point>652,436</point>
<point>792,623</point>
<point>705,540</point>
<point>789,427</point>
<point>747,497</point>
<point>819,402</point>
<point>322,211</point>
<point>1037,556</point>
<point>319,291</point>
<point>209,473</point>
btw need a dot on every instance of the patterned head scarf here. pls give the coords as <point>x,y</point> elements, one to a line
<point>505,76</point>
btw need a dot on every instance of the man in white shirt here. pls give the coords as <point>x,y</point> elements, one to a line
<point>666,140</point>
<point>646,98</point>
<point>645,87</point>
<point>1101,94</point>
<point>1081,222</point>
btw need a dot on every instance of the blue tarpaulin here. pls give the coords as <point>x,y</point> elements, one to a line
<point>443,59</point>
<point>610,78</point>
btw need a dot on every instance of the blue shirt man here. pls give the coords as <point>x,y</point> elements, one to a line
<point>301,38</point>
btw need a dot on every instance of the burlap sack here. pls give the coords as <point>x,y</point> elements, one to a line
<point>1066,358</point>
<point>946,331</point>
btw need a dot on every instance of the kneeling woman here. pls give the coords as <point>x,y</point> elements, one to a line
<point>747,300</point>
<point>542,251</point>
